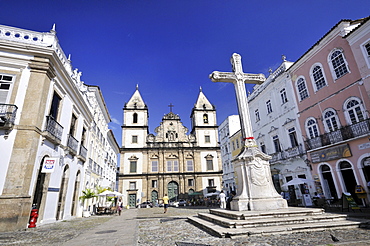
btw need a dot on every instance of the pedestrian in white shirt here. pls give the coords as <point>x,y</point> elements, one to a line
<point>222,198</point>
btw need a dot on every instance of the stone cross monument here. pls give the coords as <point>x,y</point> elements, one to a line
<point>255,189</point>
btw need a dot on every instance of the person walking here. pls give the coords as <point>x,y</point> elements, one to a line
<point>119,206</point>
<point>222,198</point>
<point>165,202</point>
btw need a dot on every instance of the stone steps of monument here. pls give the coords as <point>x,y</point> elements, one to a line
<point>226,223</point>
<point>270,221</point>
<point>221,231</point>
<point>285,212</point>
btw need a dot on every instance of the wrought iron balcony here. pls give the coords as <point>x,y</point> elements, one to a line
<point>72,143</point>
<point>54,128</point>
<point>7,115</point>
<point>83,152</point>
<point>292,152</point>
<point>345,133</point>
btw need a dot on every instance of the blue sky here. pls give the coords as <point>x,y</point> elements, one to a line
<point>169,47</point>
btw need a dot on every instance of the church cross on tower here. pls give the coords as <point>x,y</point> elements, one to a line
<point>171,106</point>
<point>238,78</point>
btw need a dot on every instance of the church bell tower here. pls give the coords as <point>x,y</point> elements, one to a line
<point>204,122</point>
<point>135,122</point>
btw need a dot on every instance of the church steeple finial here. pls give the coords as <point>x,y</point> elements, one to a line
<point>53,29</point>
<point>200,89</point>
<point>137,86</point>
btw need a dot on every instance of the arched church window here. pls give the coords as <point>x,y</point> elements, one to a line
<point>134,118</point>
<point>205,118</point>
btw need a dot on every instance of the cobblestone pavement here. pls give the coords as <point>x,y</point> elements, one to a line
<point>172,228</point>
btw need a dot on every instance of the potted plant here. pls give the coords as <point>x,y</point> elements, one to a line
<point>87,194</point>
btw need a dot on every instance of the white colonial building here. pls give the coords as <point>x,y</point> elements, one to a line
<point>273,110</point>
<point>227,129</point>
<point>46,119</point>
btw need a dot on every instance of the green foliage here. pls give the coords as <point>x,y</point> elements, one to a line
<point>110,198</point>
<point>101,189</point>
<point>87,194</point>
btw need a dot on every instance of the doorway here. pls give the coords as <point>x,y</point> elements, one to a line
<point>328,183</point>
<point>62,193</point>
<point>173,190</point>
<point>132,200</point>
<point>154,197</point>
<point>75,194</point>
<point>349,179</point>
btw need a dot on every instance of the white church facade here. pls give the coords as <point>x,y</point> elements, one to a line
<point>171,161</point>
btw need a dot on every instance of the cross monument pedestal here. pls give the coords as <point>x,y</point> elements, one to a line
<point>255,189</point>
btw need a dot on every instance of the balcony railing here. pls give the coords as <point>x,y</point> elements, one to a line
<point>287,154</point>
<point>72,143</point>
<point>54,128</point>
<point>7,115</point>
<point>83,151</point>
<point>345,133</point>
<point>294,151</point>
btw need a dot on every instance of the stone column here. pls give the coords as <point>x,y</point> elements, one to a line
<point>15,202</point>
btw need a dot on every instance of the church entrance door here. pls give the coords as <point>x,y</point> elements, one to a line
<point>173,190</point>
<point>132,200</point>
<point>154,197</point>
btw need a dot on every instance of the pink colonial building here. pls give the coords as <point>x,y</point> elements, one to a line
<point>333,111</point>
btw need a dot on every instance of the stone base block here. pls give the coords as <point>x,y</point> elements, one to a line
<point>258,204</point>
<point>14,213</point>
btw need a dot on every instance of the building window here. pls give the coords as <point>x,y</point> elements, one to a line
<point>263,148</point>
<point>207,138</point>
<point>205,118</point>
<point>209,165</point>
<point>276,142</point>
<point>257,114</point>
<point>189,165</point>
<point>172,166</point>
<point>331,120</point>
<point>211,182</point>
<point>312,128</point>
<point>72,127</point>
<point>293,137</point>
<point>190,182</point>
<point>318,77</point>
<point>367,49</point>
<point>133,166</point>
<point>134,139</point>
<point>302,89</point>
<point>83,136</point>
<point>6,82</point>
<point>366,52</point>
<point>269,107</point>
<point>154,166</point>
<point>283,96</point>
<point>354,111</point>
<point>154,184</point>
<point>338,64</point>
<point>132,185</point>
<point>134,118</point>
<point>54,109</point>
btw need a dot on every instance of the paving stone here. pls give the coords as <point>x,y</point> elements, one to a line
<point>170,229</point>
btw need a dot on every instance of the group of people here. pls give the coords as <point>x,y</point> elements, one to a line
<point>224,202</point>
